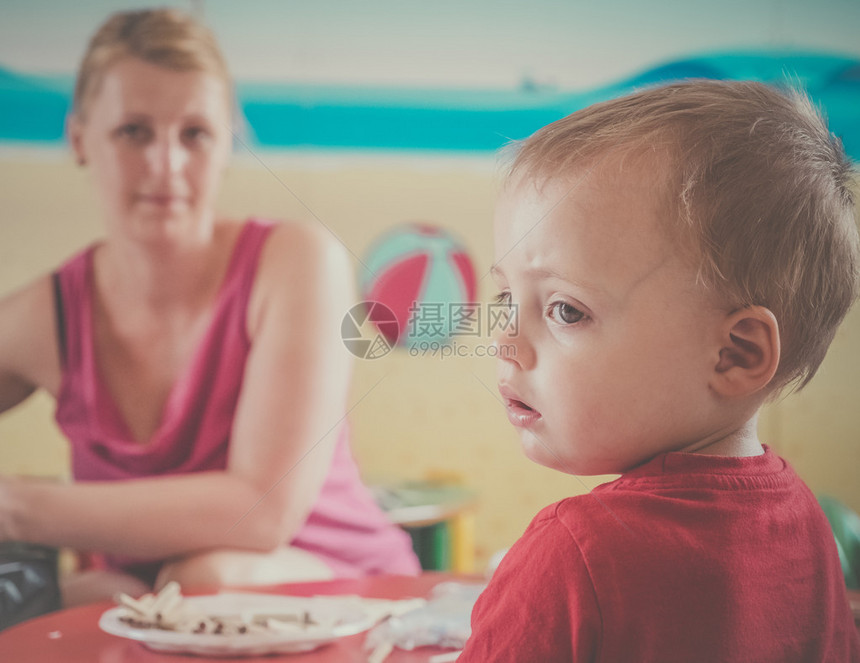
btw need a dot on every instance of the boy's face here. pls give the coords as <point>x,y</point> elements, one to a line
<point>616,341</point>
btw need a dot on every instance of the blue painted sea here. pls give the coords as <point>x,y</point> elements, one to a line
<point>287,117</point>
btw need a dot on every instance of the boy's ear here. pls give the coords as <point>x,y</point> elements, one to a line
<point>750,351</point>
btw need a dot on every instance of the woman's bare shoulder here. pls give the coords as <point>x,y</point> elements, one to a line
<point>302,262</point>
<point>301,238</point>
<point>304,250</point>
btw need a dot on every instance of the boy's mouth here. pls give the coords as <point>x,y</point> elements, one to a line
<point>520,413</point>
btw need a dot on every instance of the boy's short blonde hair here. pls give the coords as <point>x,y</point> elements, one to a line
<point>163,37</point>
<point>757,188</point>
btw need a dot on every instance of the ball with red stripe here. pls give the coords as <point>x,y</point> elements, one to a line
<point>423,273</point>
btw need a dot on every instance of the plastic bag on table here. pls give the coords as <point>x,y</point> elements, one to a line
<point>444,621</point>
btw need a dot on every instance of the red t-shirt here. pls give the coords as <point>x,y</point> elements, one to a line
<point>688,558</point>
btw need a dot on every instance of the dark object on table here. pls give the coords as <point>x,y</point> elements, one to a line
<point>29,584</point>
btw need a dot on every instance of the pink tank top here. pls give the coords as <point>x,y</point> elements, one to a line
<point>345,528</point>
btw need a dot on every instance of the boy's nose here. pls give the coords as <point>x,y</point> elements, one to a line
<point>512,344</point>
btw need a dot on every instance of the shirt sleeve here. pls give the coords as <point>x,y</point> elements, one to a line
<point>540,604</point>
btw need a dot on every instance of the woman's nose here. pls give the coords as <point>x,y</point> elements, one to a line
<point>167,155</point>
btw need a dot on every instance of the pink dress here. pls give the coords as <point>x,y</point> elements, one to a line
<point>345,528</point>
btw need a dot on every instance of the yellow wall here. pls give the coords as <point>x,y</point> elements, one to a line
<point>412,416</point>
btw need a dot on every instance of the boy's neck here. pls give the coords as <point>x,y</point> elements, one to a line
<point>740,442</point>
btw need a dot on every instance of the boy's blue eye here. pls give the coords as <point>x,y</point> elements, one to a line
<point>565,313</point>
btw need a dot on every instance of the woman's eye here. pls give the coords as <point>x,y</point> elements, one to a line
<point>134,132</point>
<point>195,134</point>
<point>565,313</point>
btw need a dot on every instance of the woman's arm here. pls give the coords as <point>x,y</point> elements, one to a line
<point>294,404</point>
<point>29,356</point>
<point>13,390</point>
<point>288,418</point>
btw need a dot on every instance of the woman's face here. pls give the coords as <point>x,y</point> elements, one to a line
<point>157,142</point>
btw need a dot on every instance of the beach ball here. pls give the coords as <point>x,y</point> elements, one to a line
<point>423,274</point>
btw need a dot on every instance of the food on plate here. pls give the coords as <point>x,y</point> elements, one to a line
<point>169,611</point>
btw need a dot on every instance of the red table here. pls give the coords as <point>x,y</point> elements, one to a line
<point>73,635</point>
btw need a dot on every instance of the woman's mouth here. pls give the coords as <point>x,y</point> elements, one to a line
<point>162,200</point>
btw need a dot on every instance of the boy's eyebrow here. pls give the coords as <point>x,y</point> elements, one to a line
<point>547,272</point>
<point>496,271</point>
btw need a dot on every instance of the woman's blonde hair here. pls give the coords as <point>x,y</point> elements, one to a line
<point>164,37</point>
<point>757,188</point>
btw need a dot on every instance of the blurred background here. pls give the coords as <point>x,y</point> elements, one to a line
<point>363,116</point>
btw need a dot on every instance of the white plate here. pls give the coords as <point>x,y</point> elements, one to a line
<point>336,617</point>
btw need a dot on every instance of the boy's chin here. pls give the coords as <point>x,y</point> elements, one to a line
<point>540,452</point>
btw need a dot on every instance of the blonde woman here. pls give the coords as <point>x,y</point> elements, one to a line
<point>196,361</point>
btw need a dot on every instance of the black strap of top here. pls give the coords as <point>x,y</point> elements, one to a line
<point>61,317</point>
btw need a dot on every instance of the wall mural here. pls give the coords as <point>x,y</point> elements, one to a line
<point>309,116</point>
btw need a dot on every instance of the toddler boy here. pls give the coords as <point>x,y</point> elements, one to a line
<point>675,258</point>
